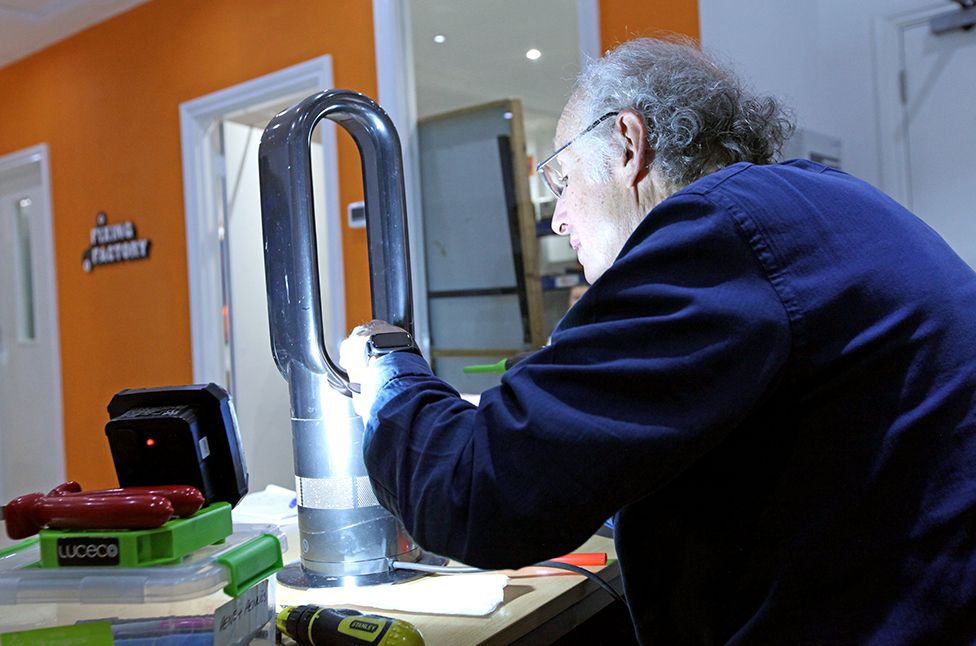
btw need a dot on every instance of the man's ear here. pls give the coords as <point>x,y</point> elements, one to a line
<point>636,158</point>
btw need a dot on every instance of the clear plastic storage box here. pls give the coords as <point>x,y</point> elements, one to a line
<point>209,579</point>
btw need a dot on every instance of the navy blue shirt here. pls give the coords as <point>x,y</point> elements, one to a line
<point>773,387</point>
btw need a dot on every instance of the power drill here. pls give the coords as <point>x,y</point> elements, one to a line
<point>317,626</point>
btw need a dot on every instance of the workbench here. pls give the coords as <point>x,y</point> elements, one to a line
<point>535,610</point>
<point>539,605</point>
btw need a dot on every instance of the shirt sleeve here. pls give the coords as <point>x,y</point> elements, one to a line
<point>662,357</point>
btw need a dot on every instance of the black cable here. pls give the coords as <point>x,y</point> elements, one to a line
<point>464,569</point>
<point>590,575</point>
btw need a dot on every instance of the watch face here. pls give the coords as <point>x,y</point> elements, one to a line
<point>390,340</point>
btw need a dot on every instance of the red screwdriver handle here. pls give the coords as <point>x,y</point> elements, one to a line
<point>186,500</point>
<point>18,516</point>
<point>71,486</point>
<point>583,558</point>
<point>26,515</point>
<point>79,511</point>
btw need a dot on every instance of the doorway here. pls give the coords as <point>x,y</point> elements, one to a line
<point>928,135</point>
<point>31,435</point>
<point>229,317</point>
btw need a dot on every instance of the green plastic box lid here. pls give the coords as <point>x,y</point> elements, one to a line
<point>136,548</point>
<point>249,555</point>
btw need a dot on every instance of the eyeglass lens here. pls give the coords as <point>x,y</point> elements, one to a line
<point>553,179</point>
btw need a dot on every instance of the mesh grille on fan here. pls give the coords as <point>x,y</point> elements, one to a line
<point>343,492</point>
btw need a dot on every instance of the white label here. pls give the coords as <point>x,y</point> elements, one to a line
<point>204,448</point>
<point>239,620</point>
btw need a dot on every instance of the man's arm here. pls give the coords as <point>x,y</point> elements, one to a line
<point>671,349</point>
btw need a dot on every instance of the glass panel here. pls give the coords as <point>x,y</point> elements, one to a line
<point>25,273</point>
<point>468,54</point>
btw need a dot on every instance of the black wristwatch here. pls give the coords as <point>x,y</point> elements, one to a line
<point>383,343</point>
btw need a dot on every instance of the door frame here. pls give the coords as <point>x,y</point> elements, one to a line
<point>397,94</point>
<point>893,150</point>
<point>397,91</point>
<point>204,271</point>
<point>40,155</point>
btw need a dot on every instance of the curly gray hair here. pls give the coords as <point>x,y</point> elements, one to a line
<point>700,117</point>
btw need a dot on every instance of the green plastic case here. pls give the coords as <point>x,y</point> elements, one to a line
<point>248,556</point>
<point>136,548</point>
<point>201,584</point>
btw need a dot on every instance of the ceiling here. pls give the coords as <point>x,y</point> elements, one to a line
<point>28,26</point>
<point>483,55</point>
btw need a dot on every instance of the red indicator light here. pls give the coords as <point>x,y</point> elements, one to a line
<point>150,442</point>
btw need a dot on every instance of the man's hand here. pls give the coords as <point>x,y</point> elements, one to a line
<point>352,357</point>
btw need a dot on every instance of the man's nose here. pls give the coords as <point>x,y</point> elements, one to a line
<point>559,224</point>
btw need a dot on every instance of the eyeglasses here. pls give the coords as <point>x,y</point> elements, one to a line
<point>554,179</point>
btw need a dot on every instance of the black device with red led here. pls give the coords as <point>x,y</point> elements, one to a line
<point>181,434</point>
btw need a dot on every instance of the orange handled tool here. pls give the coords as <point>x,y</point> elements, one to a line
<point>186,500</point>
<point>27,514</point>
<point>583,559</point>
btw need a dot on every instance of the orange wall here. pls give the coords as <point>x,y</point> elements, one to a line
<point>622,20</point>
<point>106,101</point>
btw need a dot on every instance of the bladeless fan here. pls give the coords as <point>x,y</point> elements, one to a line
<point>346,537</point>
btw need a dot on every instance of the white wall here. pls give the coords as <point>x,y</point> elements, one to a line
<point>818,55</point>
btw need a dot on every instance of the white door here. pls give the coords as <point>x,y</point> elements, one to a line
<point>939,92</point>
<point>260,392</point>
<point>228,304</point>
<point>31,434</point>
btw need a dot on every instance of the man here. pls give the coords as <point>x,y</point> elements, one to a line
<point>771,383</point>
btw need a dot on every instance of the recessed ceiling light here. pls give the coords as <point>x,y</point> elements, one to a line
<point>440,39</point>
<point>533,54</point>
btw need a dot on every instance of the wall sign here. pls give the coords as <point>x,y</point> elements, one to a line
<point>113,243</point>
